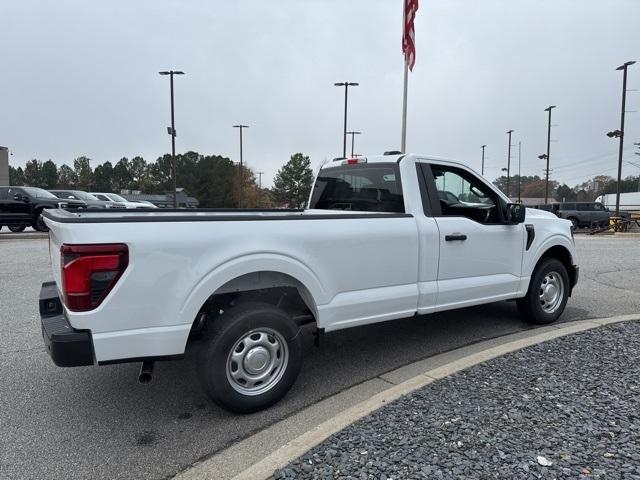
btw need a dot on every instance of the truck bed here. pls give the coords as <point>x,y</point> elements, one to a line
<point>204,215</point>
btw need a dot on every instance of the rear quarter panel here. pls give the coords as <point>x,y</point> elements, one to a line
<point>175,266</point>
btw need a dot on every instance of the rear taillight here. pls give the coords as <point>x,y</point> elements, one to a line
<point>89,272</point>
<point>354,161</point>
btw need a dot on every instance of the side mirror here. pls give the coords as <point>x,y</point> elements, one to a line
<point>515,213</point>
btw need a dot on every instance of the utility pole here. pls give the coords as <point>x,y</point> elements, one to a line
<point>172,131</point>
<point>509,162</point>
<point>483,147</point>
<point>353,134</point>
<point>241,170</point>
<point>346,86</point>
<point>546,156</point>
<point>260,180</point>
<point>519,167</point>
<point>622,67</point>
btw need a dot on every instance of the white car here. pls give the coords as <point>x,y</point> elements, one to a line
<point>112,197</point>
<point>376,244</point>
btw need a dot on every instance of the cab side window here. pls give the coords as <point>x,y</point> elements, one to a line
<point>460,193</point>
<point>11,192</point>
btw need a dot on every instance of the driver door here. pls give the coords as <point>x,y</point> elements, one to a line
<point>480,254</point>
<point>18,210</point>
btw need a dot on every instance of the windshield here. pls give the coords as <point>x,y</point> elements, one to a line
<point>116,198</point>
<point>38,192</point>
<point>362,187</point>
<point>84,196</point>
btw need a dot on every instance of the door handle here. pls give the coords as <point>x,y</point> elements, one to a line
<point>455,236</point>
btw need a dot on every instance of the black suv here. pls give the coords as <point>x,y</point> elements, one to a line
<point>21,207</point>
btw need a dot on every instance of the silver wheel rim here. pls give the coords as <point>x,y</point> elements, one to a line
<point>257,361</point>
<point>551,292</point>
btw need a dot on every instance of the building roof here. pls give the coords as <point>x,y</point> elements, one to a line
<point>166,198</point>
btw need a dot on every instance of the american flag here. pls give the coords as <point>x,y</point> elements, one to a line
<point>409,33</point>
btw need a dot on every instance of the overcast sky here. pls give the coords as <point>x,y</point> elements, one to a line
<point>80,78</point>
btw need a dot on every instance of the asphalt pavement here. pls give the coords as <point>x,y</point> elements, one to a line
<point>98,422</point>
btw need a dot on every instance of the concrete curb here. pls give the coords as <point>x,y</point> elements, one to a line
<point>23,236</point>
<point>287,439</point>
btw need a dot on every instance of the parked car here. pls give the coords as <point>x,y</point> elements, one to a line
<point>115,198</point>
<point>580,214</point>
<point>90,200</point>
<point>376,244</point>
<point>21,207</point>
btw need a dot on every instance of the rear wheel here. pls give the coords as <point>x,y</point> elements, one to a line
<point>251,357</point>
<point>17,228</point>
<point>548,293</point>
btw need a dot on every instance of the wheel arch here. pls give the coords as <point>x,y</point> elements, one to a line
<point>252,273</point>
<point>561,253</point>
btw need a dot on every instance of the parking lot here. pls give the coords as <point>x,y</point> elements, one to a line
<point>98,422</point>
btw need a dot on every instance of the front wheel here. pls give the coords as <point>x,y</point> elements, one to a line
<point>39,224</point>
<point>251,357</point>
<point>548,293</point>
<point>17,228</point>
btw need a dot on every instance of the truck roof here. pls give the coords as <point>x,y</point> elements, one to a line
<point>393,158</point>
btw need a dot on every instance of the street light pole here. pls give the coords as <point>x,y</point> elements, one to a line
<point>260,180</point>
<point>509,162</point>
<point>353,134</point>
<point>546,184</point>
<point>622,67</point>
<point>172,132</point>
<point>519,167</point>
<point>482,170</point>
<point>241,171</point>
<point>346,86</point>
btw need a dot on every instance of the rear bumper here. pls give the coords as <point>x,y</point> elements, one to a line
<point>66,346</point>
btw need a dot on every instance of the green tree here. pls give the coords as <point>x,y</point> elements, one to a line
<point>293,181</point>
<point>67,178</point>
<point>16,176</point>
<point>138,171</point>
<point>33,173</point>
<point>215,177</point>
<point>121,175</point>
<point>82,168</point>
<point>103,178</point>
<point>160,174</point>
<point>49,175</point>
<point>565,193</point>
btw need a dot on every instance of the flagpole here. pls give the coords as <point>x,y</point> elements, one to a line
<point>404,106</point>
<point>403,141</point>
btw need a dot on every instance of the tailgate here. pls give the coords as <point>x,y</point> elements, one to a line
<point>54,252</point>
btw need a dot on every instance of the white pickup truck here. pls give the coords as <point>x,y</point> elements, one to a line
<point>384,238</point>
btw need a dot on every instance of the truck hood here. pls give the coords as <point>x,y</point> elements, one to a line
<point>536,213</point>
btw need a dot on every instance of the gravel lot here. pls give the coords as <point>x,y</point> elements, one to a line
<point>567,408</point>
<point>71,423</point>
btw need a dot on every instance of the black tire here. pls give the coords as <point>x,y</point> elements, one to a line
<point>575,222</point>
<point>227,334</point>
<point>531,306</point>
<point>17,228</point>
<point>39,224</point>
